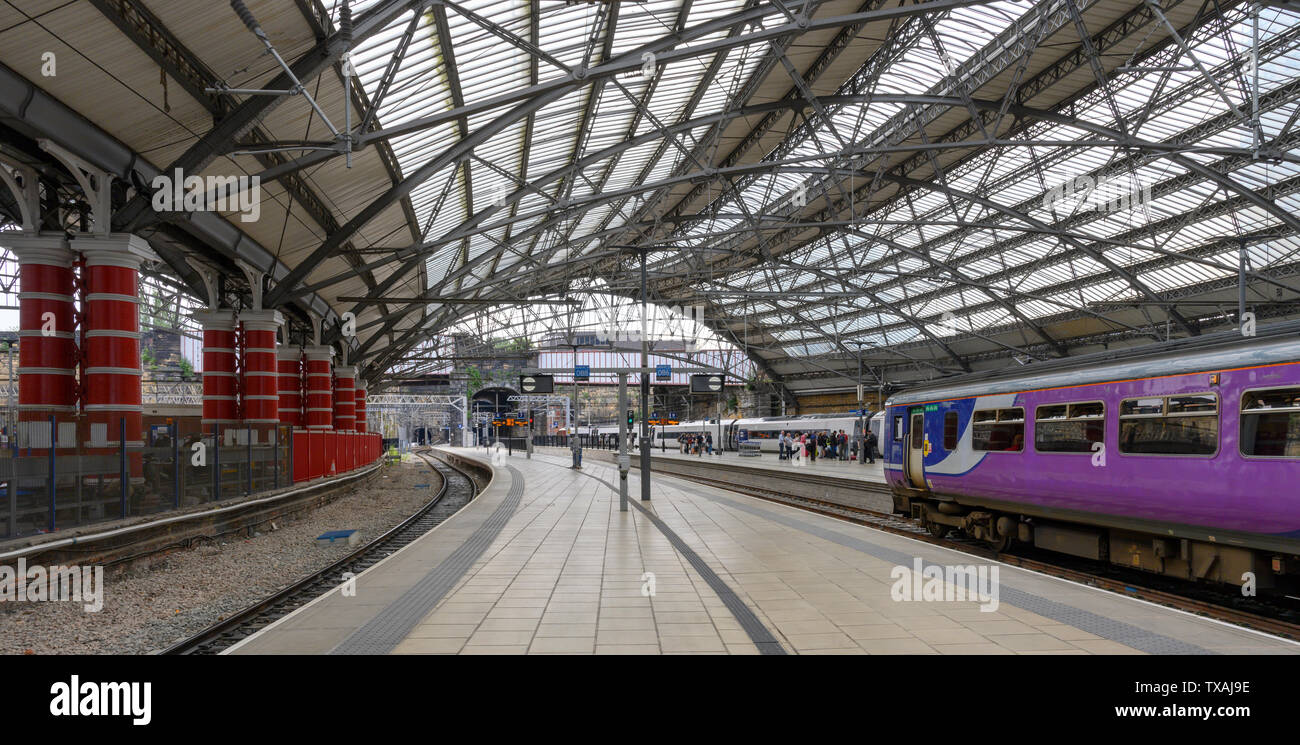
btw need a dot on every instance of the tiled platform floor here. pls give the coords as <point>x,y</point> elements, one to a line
<point>567,574</point>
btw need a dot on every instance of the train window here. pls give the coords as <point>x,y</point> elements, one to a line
<point>1142,407</point>
<point>950,431</point>
<point>1270,423</point>
<point>1043,413</point>
<point>1069,428</point>
<point>898,429</point>
<point>1172,425</point>
<point>1197,404</point>
<point>1089,410</point>
<point>998,430</point>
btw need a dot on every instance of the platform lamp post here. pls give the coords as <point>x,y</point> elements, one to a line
<point>645,388</point>
<point>575,442</point>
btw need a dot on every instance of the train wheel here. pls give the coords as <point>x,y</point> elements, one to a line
<point>1002,543</point>
<point>938,530</point>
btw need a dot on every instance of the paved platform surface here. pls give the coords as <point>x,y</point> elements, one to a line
<point>543,562</point>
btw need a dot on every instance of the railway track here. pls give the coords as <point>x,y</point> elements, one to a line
<point>1276,620</point>
<point>458,488</point>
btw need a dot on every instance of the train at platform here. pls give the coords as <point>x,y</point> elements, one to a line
<point>1180,458</point>
<point>729,434</point>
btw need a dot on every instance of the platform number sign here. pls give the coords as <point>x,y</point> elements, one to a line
<point>537,383</point>
<point>582,373</point>
<point>706,383</point>
<point>663,372</point>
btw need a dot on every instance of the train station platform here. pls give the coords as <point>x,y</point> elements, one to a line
<point>543,562</point>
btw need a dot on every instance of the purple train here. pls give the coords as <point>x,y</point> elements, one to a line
<point>1180,458</point>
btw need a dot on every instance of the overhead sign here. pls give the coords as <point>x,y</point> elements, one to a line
<point>706,383</point>
<point>537,383</point>
<point>582,373</point>
<point>663,372</point>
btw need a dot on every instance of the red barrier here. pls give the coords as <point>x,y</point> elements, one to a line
<point>331,453</point>
<point>318,455</point>
<point>301,455</point>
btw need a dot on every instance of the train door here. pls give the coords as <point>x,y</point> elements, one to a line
<point>915,468</point>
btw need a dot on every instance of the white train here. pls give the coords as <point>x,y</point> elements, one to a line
<point>729,433</point>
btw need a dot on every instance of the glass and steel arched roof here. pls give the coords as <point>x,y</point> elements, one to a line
<point>914,189</point>
<point>951,185</point>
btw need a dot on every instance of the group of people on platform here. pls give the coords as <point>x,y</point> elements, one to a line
<point>828,445</point>
<point>696,444</point>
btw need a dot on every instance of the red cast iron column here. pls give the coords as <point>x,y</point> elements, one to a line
<point>112,340</point>
<point>345,415</point>
<point>290,369</point>
<point>261,368</point>
<point>47,366</point>
<point>219,389</point>
<point>359,395</point>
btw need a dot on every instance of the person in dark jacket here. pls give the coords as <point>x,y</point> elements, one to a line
<point>871,443</point>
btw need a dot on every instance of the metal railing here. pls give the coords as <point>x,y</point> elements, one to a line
<point>60,472</point>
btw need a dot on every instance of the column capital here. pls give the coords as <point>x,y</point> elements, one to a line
<point>115,249</point>
<point>48,248</point>
<point>318,353</point>
<point>346,371</point>
<point>261,320</point>
<point>288,354</point>
<point>215,320</point>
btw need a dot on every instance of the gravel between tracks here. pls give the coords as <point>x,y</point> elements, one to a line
<point>149,607</point>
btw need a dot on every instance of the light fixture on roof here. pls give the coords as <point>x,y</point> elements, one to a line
<point>342,140</point>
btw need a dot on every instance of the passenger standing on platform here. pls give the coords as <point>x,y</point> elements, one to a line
<point>871,446</point>
<point>708,442</point>
<point>780,445</point>
<point>811,447</point>
<point>844,445</point>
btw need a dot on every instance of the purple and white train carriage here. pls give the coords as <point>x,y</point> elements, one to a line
<point>1181,458</point>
